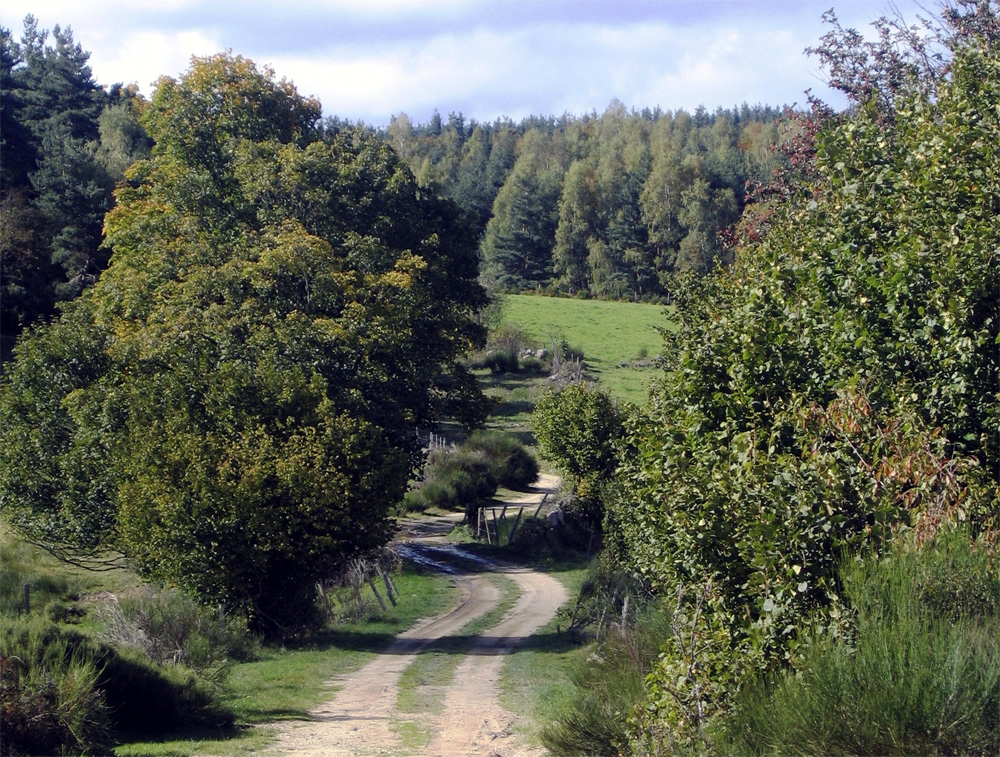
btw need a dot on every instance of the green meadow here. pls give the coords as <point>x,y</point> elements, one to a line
<point>619,340</point>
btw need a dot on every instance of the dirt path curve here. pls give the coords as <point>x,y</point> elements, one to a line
<point>359,719</point>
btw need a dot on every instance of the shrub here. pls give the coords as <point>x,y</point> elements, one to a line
<point>922,675</point>
<point>509,337</point>
<point>501,361</point>
<point>511,463</point>
<point>578,428</point>
<point>63,691</point>
<point>463,477</point>
<point>169,627</point>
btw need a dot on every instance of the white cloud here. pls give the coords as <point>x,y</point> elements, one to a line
<point>144,57</point>
<point>369,59</point>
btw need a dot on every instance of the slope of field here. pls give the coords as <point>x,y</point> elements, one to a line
<point>619,340</point>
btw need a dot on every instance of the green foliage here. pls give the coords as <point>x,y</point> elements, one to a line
<point>579,429</point>
<point>500,361</point>
<point>462,477</point>
<point>239,411</point>
<point>62,691</point>
<point>520,234</point>
<point>49,700</point>
<point>606,204</point>
<point>511,462</point>
<point>835,385</point>
<point>921,676</point>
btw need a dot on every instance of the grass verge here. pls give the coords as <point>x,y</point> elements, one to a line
<point>287,682</point>
<point>536,681</point>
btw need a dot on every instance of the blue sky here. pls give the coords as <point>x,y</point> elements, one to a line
<point>371,59</point>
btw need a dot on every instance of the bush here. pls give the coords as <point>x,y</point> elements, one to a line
<point>63,691</point>
<point>579,428</point>
<point>532,365</point>
<point>921,677</point>
<point>511,463</point>
<point>501,361</point>
<point>461,478</point>
<point>169,627</point>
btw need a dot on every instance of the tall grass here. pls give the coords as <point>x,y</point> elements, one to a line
<point>170,628</point>
<point>922,675</point>
<point>63,692</point>
<point>610,683</point>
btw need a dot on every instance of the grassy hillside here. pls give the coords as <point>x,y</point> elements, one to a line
<point>619,339</point>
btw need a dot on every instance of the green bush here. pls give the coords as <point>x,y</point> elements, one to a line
<point>511,463</point>
<point>922,675</point>
<point>501,361</point>
<point>461,478</point>
<point>835,384</point>
<point>531,365</point>
<point>63,691</point>
<point>169,627</point>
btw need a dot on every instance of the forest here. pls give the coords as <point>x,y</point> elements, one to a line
<point>229,322</point>
<point>605,205</point>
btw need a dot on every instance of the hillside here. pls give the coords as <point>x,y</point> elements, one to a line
<point>619,340</point>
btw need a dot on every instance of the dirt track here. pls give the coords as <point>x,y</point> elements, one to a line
<point>359,719</point>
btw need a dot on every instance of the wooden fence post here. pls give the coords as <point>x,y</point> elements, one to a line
<point>388,584</point>
<point>517,522</point>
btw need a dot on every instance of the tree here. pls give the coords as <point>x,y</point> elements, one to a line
<point>517,248</point>
<point>580,430</point>
<point>283,311</point>
<point>834,386</point>
<point>57,172</point>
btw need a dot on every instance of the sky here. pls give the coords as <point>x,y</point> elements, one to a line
<point>370,60</point>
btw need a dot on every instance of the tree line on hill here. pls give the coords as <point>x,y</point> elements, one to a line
<point>66,142</point>
<point>607,205</point>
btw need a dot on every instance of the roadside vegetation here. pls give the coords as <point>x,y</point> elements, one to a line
<point>788,479</point>
<point>818,465</point>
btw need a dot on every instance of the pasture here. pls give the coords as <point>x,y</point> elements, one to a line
<point>619,340</point>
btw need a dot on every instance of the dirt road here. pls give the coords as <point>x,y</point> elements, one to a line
<point>362,719</point>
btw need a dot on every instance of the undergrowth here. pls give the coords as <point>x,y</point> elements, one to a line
<point>920,673</point>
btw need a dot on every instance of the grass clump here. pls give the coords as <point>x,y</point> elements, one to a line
<point>169,628</point>
<point>920,673</point>
<point>609,684</point>
<point>61,691</point>
<point>630,631</point>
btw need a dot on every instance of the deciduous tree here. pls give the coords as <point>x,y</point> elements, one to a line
<point>283,311</point>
